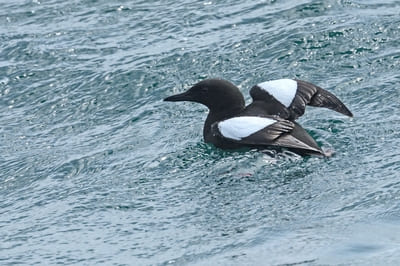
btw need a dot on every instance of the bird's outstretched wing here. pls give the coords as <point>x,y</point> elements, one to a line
<point>288,98</point>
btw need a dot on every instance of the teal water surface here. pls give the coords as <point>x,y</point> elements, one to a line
<point>96,169</point>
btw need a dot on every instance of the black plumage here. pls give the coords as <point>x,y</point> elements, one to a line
<point>266,122</point>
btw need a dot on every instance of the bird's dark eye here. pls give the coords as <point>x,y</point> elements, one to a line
<point>203,90</point>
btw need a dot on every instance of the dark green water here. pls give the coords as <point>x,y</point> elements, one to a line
<point>96,169</point>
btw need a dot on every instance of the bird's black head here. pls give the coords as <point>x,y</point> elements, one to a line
<point>217,94</point>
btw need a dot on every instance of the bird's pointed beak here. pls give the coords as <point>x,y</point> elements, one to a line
<point>185,96</point>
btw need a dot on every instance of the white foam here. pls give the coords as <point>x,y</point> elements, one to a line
<point>284,90</point>
<point>240,127</point>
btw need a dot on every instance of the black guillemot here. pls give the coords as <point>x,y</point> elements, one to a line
<point>268,122</point>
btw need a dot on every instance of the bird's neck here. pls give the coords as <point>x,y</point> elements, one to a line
<point>214,116</point>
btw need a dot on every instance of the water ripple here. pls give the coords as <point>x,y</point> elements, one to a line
<point>96,169</point>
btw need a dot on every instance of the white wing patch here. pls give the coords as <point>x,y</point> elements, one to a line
<point>240,127</point>
<point>284,90</point>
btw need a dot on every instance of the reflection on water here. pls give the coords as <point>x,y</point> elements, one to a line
<point>96,169</point>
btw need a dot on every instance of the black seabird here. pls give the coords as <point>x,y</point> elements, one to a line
<point>268,122</point>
